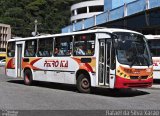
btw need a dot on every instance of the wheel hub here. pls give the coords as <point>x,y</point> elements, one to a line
<point>85,84</point>
<point>27,78</point>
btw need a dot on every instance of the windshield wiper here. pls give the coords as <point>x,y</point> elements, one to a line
<point>132,63</point>
<point>134,60</point>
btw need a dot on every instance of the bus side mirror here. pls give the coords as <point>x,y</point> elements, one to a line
<point>113,61</point>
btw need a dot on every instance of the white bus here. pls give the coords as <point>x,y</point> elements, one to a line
<point>154,44</point>
<point>111,58</point>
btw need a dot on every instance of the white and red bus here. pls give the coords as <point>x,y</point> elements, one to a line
<point>154,44</point>
<point>113,58</point>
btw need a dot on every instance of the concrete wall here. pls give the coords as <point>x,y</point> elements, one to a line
<point>87,4</point>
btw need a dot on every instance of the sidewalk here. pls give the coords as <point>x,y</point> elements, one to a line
<point>155,86</point>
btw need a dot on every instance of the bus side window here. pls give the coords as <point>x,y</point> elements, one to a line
<point>11,49</point>
<point>45,46</point>
<point>84,45</point>
<point>154,46</point>
<point>63,46</point>
<point>30,48</point>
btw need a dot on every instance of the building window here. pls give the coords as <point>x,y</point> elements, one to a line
<point>45,47</point>
<point>84,45</point>
<point>11,49</point>
<point>30,48</point>
<point>154,47</point>
<point>96,8</point>
<point>63,46</point>
<point>72,14</point>
<point>82,10</point>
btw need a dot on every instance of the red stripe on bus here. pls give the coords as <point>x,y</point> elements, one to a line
<point>9,64</point>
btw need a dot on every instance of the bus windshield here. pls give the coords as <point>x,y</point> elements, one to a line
<point>132,49</point>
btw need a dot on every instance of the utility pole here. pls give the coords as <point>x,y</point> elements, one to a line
<point>35,23</point>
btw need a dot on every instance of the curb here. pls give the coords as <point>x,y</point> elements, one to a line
<point>155,87</point>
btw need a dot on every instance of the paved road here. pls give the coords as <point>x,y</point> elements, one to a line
<point>15,95</point>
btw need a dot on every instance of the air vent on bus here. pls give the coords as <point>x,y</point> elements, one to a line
<point>137,77</point>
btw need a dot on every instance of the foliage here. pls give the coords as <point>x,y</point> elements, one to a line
<point>52,15</point>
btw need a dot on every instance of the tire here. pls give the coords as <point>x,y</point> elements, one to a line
<point>28,79</point>
<point>83,84</point>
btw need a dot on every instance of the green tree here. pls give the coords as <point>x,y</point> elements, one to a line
<point>52,15</point>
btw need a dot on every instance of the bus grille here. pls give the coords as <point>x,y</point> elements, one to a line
<point>137,77</point>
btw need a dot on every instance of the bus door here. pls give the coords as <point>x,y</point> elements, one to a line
<point>18,59</point>
<point>104,61</point>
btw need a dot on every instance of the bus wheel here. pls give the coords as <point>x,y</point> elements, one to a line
<point>28,80</point>
<point>83,84</point>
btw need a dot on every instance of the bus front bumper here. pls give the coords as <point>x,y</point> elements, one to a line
<point>128,83</point>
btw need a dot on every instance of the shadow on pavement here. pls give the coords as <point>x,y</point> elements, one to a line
<point>48,85</point>
<point>119,93</point>
<point>95,91</point>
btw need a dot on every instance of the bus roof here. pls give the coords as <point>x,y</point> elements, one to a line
<point>109,30</point>
<point>152,37</point>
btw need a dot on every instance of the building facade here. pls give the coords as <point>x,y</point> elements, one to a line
<point>84,10</point>
<point>5,34</point>
<point>139,15</point>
